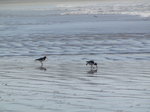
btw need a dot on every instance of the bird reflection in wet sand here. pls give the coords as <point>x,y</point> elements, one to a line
<point>42,68</point>
<point>92,71</point>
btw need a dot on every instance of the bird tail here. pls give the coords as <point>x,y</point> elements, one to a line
<point>36,60</point>
<point>86,62</point>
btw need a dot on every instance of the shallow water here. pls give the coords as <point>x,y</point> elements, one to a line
<point>71,7</point>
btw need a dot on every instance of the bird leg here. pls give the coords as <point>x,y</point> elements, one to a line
<point>96,66</point>
<point>41,64</point>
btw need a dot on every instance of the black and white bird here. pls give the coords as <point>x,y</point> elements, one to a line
<point>41,60</point>
<point>92,63</point>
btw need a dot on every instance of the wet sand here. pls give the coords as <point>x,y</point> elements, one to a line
<point>65,84</point>
<point>115,35</point>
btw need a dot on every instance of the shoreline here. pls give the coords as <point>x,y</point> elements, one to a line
<point>73,24</point>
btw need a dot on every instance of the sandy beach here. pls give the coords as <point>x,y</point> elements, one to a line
<point>114,34</point>
<point>68,85</point>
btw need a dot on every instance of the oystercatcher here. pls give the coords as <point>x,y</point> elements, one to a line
<point>92,63</point>
<point>41,60</point>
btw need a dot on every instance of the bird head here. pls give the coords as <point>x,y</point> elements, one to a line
<point>45,57</point>
<point>95,64</point>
